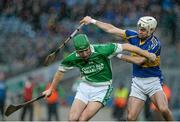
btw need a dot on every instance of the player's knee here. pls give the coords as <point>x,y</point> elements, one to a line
<point>84,117</point>
<point>131,116</point>
<point>163,109</point>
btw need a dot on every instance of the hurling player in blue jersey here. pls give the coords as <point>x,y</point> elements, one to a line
<point>147,77</point>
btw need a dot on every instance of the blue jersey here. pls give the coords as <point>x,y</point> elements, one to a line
<point>152,45</point>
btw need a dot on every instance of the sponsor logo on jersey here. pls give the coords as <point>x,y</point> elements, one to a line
<point>95,68</point>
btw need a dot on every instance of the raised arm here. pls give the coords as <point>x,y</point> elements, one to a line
<point>139,51</point>
<point>57,77</point>
<point>104,26</point>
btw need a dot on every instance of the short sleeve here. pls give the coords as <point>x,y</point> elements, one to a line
<point>65,65</point>
<point>155,46</point>
<point>119,48</point>
<point>64,68</point>
<point>129,35</point>
<point>106,49</point>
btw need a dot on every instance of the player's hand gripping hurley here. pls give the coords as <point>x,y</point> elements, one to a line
<point>50,58</point>
<point>12,108</point>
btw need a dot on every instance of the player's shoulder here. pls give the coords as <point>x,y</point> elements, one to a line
<point>70,57</point>
<point>131,31</point>
<point>101,47</point>
<point>131,34</point>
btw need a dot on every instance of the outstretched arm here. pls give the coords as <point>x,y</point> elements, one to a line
<point>104,26</point>
<point>139,51</point>
<point>57,77</point>
<point>138,60</point>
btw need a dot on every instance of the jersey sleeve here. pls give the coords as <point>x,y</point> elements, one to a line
<point>155,47</point>
<point>64,68</point>
<point>129,35</point>
<point>119,48</point>
<point>65,65</point>
<point>110,49</point>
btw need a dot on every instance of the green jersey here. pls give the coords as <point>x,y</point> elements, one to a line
<point>97,69</point>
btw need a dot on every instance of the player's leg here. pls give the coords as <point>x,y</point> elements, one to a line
<point>91,109</point>
<point>160,100</point>
<point>136,99</point>
<point>80,102</point>
<point>76,109</point>
<point>98,97</point>
<point>135,106</point>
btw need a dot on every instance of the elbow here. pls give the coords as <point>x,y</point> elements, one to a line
<point>109,30</point>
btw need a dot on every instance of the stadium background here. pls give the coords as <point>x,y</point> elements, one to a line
<point>31,29</point>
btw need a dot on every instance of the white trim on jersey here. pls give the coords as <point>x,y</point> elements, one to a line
<point>119,49</point>
<point>64,68</point>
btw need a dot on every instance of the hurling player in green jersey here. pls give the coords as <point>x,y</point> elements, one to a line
<point>95,67</point>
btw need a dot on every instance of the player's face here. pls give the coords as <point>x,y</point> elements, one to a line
<point>85,53</point>
<point>142,33</point>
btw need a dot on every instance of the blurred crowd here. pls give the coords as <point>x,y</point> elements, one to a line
<point>31,29</point>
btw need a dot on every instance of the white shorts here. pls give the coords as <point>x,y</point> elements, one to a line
<point>87,93</point>
<point>143,87</point>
